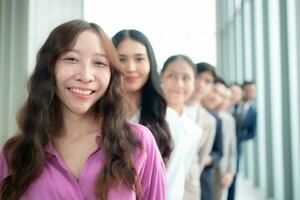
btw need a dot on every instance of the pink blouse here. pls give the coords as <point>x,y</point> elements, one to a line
<point>56,181</point>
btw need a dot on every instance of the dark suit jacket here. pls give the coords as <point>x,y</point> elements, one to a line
<point>206,178</point>
<point>246,128</point>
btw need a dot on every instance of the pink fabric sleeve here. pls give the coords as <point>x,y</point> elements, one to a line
<point>153,176</point>
<point>3,167</point>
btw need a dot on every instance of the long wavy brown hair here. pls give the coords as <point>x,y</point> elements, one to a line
<point>40,118</point>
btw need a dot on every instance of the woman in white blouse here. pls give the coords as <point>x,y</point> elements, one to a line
<point>178,79</point>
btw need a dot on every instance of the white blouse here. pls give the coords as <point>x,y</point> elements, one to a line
<point>186,136</point>
<point>136,117</point>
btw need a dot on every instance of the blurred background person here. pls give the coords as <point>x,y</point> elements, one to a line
<point>236,96</point>
<point>178,79</point>
<point>224,173</point>
<point>193,107</point>
<point>212,161</point>
<point>146,104</point>
<point>245,115</point>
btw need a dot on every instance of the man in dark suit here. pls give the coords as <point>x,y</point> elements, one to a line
<point>245,115</point>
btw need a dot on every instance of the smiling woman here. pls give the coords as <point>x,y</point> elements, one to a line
<point>74,141</point>
<point>82,74</point>
<point>178,79</point>
<point>147,105</point>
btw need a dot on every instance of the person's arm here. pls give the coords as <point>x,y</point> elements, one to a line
<point>227,179</point>
<point>206,146</point>
<point>217,149</point>
<point>153,174</point>
<point>230,169</point>
<point>232,152</point>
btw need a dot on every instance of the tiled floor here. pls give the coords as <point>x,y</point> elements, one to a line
<point>245,191</point>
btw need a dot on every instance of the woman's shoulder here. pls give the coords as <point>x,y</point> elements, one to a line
<point>171,113</point>
<point>188,122</point>
<point>172,118</point>
<point>149,164</point>
<point>143,134</point>
<point>149,152</point>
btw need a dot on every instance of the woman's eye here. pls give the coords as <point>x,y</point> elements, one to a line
<point>186,78</point>
<point>122,59</point>
<point>171,76</point>
<point>140,59</point>
<point>71,59</point>
<point>101,64</point>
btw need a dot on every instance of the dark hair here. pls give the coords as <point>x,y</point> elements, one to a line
<point>153,104</point>
<point>220,80</point>
<point>234,84</point>
<point>40,119</point>
<point>178,57</point>
<point>205,67</point>
<point>245,83</point>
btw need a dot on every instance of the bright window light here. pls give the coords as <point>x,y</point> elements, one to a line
<point>172,26</point>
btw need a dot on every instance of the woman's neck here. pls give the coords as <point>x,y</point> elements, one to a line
<point>177,108</point>
<point>194,100</point>
<point>134,103</point>
<point>75,126</point>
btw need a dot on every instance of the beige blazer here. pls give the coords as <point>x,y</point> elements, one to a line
<point>208,125</point>
<point>229,159</point>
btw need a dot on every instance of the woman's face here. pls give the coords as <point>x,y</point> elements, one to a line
<point>82,74</point>
<point>135,63</point>
<point>178,83</point>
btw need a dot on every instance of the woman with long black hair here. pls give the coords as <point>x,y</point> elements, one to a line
<point>147,105</point>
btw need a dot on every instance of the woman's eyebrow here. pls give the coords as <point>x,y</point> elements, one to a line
<point>101,54</point>
<point>78,51</point>
<point>139,54</point>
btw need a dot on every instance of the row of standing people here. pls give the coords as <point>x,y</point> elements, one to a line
<point>200,114</point>
<point>176,106</point>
